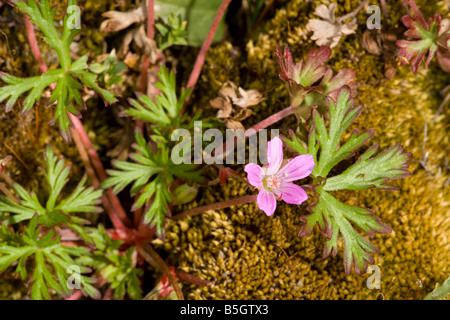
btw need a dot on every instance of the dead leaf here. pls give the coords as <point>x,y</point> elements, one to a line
<point>372,43</point>
<point>443,59</point>
<point>328,32</point>
<point>121,20</point>
<point>232,103</point>
<point>143,43</point>
<point>382,43</point>
<point>132,61</point>
<point>235,125</point>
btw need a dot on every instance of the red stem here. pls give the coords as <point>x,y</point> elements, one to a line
<point>259,126</point>
<point>33,43</point>
<point>151,19</point>
<point>192,279</point>
<point>146,59</point>
<point>149,254</point>
<point>95,159</point>
<point>206,44</point>
<point>270,120</point>
<point>112,213</point>
<point>215,206</point>
<point>144,74</point>
<point>75,296</point>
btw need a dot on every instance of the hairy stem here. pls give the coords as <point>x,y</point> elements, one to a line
<point>192,279</point>
<point>75,296</point>
<point>257,127</point>
<point>215,206</point>
<point>195,74</point>
<point>151,19</point>
<point>146,59</point>
<point>33,43</point>
<point>116,221</point>
<point>95,159</point>
<point>8,193</point>
<point>270,121</point>
<point>263,13</point>
<point>150,255</point>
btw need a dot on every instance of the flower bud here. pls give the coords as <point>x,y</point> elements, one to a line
<point>185,194</point>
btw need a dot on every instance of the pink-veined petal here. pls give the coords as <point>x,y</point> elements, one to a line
<point>267,201</point>
<point>291,193</point>
<point>255,174</point>
<point>274,155</point>
<point>297,168</point>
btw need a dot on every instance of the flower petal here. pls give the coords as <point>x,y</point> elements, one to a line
<point>297,168</point>
<point>291,193</point>
<point>274,155</point>
<point>266,201</point>
<point>255,174</point>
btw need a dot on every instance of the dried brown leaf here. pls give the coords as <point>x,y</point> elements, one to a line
<point>121,20</point>
<point>232,103</point>
<point>235,125</point>
<point>328,32</point>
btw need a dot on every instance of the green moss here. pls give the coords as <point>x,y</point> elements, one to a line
<point>251,256</point>
<point>246,254</point>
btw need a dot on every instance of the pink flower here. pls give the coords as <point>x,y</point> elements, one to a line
<point>274,182</point>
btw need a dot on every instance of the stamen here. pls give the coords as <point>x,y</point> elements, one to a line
<point>273,182</point>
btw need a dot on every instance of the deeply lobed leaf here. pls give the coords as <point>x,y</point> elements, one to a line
<point>56,210</point>
<point>69,78</point>
<point>52,262</point>
<point>336,218</point>
<point>166,107</point>
<point>333,217</point>
<point>373,172</point>
<point>150,175</point>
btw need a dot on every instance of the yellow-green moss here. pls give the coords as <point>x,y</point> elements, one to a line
<point>245,253</point>
<point>251,256</point>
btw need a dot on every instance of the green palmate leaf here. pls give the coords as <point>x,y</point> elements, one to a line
<point>69,78</point>
<point>166,108</point>
<point>336,218</point>
<point>342,114</point>
<point>333,217</point>
<point>52,261</point>
<point>150,174</point>
<point>109,71</point>
<point>57,209</point>
<point>373,172</point>
<point>42,15</point>
<point>117,269</point>
<point>18,86</point>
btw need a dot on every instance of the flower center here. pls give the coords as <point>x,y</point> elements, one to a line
<point>272,182</point>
